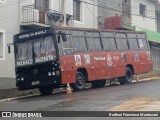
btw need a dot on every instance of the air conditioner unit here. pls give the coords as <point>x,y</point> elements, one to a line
<point>3,1</point>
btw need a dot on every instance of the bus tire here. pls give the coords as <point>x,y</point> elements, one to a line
<point>80,82</point>
<point>129,75</point>
<point>46,90</point>
<point>121,80</point>
<point>99,83</point>
<point>128,78</point>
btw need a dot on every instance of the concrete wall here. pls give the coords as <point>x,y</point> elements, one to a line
<point>147,22</point>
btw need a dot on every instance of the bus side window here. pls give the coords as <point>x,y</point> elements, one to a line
<point>79,44</point>
<point>112,44</point>
<point>108,44</point>
<point>132,40</point>
<point>93,41</point>
<point>78,40</point>
<point>121,41</point>
<point>133,45</point>
<point>119,44</point>
<point>142,44</point>
<point>67,46</point>
<point>108,41</point>
<point>142,41</point>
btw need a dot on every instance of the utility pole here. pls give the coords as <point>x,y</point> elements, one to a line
<point>63,10</point>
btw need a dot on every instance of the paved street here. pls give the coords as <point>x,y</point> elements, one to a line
<point>137,96</point>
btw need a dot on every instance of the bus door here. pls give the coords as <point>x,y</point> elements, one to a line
<point>117,64</point>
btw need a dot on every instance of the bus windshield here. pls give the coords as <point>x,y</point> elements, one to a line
<point>37,50</point>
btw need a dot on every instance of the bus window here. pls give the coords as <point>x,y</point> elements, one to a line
<point>142,44</point>
<point>133,45</point>
<point>132,40</point>
<point>142,41</point>
<point>121,41</point>
<point>108,41</point>
<point>93,41</point>
<point>122,44</point>
<point>78,40</point>
<point>112,44</point>
<point>108,44</point>
<point>67,46</point>
<point>24,50</point>
<point>79,44</point>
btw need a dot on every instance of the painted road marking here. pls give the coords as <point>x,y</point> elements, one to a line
<point>138,104</point>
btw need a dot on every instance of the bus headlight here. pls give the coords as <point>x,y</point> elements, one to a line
<point>22,78</point>
<point>49,74</point>
<point>53,73</point>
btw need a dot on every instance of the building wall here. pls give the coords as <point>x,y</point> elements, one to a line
<point>147,22</point>
<point>9,25</point>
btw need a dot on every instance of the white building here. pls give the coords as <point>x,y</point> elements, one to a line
<point>21,15</point>
<point>143,14</point>
<point>139,15</point>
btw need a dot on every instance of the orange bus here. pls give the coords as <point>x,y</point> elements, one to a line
<point>47,58</point>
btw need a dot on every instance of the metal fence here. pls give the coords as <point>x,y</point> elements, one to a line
<point>30,14</point>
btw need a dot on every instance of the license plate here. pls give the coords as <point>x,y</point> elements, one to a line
<point>35,83</point>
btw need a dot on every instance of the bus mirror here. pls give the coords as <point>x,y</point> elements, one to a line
<point>9,49</point>
<point>64,37</point>
<point>59,38</point>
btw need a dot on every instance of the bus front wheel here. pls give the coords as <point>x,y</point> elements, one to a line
<point>128,78</point>
<point>46,90</point>
<point>80,82</point>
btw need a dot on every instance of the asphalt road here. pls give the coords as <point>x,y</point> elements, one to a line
<point>142,96</point>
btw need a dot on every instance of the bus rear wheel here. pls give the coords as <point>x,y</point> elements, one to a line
<point>98,83</point>
<point>80,82</point>
<point>128,78</point>
<point>46,90</point>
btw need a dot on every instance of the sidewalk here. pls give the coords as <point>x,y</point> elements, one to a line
<point>153,73</point>
<point>9,93</point>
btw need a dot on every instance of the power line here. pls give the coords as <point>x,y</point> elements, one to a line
<point>103,3</point>
<point>105,7</point>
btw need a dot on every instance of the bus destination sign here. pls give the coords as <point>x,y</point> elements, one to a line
<point>34,33</point>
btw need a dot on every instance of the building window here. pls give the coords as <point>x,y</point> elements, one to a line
<point>76,10</point>
<point>2,45</point>
<point>126,1</point>
<point>142,10</point>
